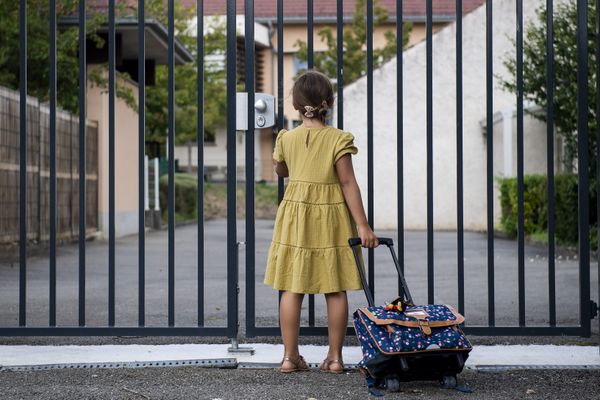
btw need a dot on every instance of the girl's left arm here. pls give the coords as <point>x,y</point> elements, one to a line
<point>281,169</point>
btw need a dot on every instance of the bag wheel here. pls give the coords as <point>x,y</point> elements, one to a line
<point>392,384</point>
<point>448,381</point>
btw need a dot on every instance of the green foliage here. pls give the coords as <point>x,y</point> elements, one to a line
<point>215,199</point>
<point>67,44</point>
<point>186,195</point>
<point>565,73</point>
<point>186,94</point>
<point>535,207</point>
<point>38,16</point>
<point>355,41</point>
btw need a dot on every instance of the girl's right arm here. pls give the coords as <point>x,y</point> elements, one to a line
<point>351,191</point>
<point>281,169</point>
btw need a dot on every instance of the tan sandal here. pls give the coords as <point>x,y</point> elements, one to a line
<point>326,366</point>
<point>299,364</point>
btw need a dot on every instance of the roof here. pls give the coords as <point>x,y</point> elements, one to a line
<point>156,39</point>
<point>265,10</point>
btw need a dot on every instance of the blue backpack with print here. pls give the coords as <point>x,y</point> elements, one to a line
<point>401,341</point>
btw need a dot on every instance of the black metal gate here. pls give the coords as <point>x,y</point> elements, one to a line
<point>586,307</point>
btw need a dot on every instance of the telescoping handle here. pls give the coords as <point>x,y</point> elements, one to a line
<point>389,242</point>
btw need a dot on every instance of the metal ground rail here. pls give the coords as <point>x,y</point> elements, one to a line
<point>586,305</point>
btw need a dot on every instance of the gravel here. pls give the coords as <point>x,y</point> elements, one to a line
<point>204,383</point>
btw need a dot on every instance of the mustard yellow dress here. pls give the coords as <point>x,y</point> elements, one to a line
<point>309,252</point>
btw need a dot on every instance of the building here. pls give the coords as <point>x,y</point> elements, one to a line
<point>294,29</point>
<point>444,125</point>
<point>126,118</point>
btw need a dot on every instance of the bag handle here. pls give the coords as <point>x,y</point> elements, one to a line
<point>389,242</point>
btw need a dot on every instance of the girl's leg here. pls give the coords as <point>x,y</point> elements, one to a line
<point>289,319</point>
<point>337,318</point>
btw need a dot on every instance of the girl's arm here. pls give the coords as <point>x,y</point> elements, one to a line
<point>281,169</point>
<point>345,173</point>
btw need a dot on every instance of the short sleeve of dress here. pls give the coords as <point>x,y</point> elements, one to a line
<point>344,145</point>
<point>278,151</point>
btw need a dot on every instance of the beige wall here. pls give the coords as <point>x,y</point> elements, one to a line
<point>126,159</point>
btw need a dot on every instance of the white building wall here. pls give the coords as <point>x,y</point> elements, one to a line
<point>215,154</point>
<point>444,124</point>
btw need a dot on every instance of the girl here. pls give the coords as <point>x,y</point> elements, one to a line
<point>309,252</point>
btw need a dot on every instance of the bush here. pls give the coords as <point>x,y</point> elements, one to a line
<point>535,207</point>
<point>186,195</point>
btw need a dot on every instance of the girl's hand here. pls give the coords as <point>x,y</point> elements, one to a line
<point>367,236</point>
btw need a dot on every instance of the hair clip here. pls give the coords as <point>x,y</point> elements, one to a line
<point>309,111</point>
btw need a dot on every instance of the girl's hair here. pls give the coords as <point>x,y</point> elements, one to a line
<point>312,95</point>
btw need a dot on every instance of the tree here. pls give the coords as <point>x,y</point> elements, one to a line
<point>67,44</point>
<point>355,41</point>
<point>565,74</point>
<point>67,68</point>
<point>186,94</point>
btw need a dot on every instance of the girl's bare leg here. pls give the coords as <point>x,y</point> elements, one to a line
<point>337,318</point>
<point>289,320</point>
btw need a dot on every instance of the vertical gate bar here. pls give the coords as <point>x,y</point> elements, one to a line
<point>583,166</point>
<point>460,250</point>
<point>52,179</point>
<point>111,162</point>
<point>489,160</point>
<point>550,159</point>
<point>400,134</point>
<point>200,155</point>
<point>250,226</point>
<point>280,116</point>
<point>520,213</point>
<point>310,64</point>
<point>370,177</point>
<point>82,158</point>
<point>22,161</point>
<point>142,165</point>
<point>310,33</point>
<point>430,270</point>
<point>171,156</point>
<point>430,264</point>
<point>340,64</point>
<point>598,137</point>
<point>231,171</point>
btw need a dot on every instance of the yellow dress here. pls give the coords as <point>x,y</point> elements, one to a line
<point>309,252</point>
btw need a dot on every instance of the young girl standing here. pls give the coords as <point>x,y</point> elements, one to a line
<point>320,211</point>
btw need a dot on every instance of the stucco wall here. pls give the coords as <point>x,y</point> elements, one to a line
<point>444,124</point>
<point>126,159</point>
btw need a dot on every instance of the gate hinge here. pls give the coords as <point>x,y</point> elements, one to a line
<point>593,309</point>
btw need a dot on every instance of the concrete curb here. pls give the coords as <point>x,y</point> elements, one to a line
<point>492,358</point>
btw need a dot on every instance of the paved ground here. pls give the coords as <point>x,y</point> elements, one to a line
<point>567,281</point>
<point>199,383</point>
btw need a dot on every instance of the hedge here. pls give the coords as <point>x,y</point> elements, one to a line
<point>186,194</point>
<point>535,207</point>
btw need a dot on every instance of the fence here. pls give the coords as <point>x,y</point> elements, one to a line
<point>27,144</point>
<point>38,174</point>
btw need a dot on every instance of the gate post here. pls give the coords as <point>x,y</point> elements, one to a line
<point>235,348</point>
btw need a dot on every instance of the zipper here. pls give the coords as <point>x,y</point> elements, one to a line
<point>307,136</point>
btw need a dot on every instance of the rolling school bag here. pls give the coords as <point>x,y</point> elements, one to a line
<point>401,341</point>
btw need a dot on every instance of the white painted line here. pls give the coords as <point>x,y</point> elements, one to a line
<point>539,355</point>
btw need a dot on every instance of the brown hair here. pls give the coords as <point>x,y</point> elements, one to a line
<point>313,89</point>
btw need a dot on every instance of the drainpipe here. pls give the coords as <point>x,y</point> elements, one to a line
<point>271,33</point>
